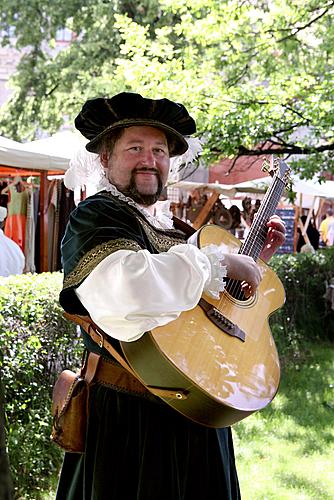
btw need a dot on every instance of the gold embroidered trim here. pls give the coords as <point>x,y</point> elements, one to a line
<point>92,258</point>
<point>162,242</point>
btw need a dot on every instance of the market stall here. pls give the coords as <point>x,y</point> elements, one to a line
<point>215,200</point>
<point>33,172</point>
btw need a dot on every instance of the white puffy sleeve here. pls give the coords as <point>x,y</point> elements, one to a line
<point>129,293</point>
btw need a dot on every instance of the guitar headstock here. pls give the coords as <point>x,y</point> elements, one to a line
<point>277,168</point>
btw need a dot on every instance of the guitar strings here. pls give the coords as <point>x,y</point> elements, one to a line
<point>247,248</point>
<point>254,242</point>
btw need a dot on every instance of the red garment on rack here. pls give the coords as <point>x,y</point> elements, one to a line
<point>15,226</point>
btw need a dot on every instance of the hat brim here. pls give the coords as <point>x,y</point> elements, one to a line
<point>177,143</point>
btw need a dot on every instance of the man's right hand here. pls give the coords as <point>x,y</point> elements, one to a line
<point>243,268</point>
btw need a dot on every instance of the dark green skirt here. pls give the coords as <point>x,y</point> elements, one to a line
<point>138,449</point>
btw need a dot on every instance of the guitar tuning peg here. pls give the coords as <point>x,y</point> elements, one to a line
<point>267,168</point>
<point>288,181</point>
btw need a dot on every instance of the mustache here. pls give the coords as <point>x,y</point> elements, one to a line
<point>146,169</point>
<point>144,199</point>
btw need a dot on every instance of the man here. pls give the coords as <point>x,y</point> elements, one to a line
<point>11,256</point>
<point>131,270</point>
<point>323,229</point>
<point>330,228</point>
<point>313,237</point>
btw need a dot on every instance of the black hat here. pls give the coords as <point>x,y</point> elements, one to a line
<point>100,116</point>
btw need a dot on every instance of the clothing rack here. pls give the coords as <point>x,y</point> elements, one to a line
<point>7,172</point>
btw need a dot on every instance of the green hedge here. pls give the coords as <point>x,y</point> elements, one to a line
<point>36,343</point>
<point>306,315</point>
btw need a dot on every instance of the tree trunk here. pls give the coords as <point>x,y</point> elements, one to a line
<point>6,486</point>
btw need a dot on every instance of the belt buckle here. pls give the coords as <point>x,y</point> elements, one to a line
<point>101,341</point>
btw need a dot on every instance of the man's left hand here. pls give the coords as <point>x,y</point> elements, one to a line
<point>275,237</point>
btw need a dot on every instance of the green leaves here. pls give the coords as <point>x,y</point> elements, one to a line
<point>36,343</point>
<point>252,73</point>
<point>306,316</point>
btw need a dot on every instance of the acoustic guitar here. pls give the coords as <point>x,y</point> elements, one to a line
<point>219,360</point>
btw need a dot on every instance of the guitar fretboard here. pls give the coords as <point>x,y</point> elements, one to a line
<point>254,242</point>
<point>256,237</point>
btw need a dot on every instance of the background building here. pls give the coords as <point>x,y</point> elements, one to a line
<point>10,57</point>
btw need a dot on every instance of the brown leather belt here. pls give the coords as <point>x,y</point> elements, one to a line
<point>116,377</point>
<point>101,339</point>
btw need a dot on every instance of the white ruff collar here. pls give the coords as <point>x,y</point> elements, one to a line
<point>162,218</point>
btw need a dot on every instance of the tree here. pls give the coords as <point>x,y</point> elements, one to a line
<point>6,486</point>
<point>257,75</point>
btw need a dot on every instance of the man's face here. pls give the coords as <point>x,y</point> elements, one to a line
<point>139,163</point>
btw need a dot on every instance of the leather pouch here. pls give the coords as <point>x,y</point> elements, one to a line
<point>69,411</point>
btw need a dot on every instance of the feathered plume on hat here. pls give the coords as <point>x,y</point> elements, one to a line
<point>85,168</point>
<point>180,164</point>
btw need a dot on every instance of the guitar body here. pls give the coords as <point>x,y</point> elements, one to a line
<point>223,378</point>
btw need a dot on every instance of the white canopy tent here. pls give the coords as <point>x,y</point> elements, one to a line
<point>226,190</point>
<point>62,144</point>
<point>309,189</point>
<point>50,154</point>
<point>41,159</point>
<point>310,195</point>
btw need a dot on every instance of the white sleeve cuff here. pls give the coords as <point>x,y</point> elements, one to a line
<point>215,284</point>
<point>129,293</point>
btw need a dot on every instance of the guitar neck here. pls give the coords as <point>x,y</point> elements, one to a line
<point>254,242</point>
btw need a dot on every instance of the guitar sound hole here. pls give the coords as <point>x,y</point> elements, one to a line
<point>233,287</point>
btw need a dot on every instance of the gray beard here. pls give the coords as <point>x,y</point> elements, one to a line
<point>142,199</point>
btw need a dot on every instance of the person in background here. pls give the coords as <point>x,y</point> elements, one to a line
<point>12,259</point>
<point>129,266</point>
<point>330,234</point>
<point>324,226</point>
<point>312,233</point>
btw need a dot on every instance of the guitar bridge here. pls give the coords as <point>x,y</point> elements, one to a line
<point>221,322</point>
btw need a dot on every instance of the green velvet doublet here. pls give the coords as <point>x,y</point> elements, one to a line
<point>101,225</point>
<point>136,448</point>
